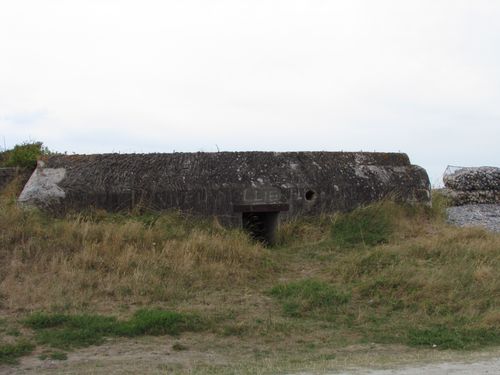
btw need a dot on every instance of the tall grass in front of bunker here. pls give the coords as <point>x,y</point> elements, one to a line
<point>81,260</point>
<point>366,226</point>
<point>431,280</point>
<point>303,230</point>
<point>387,221</point>
<point>423,281</point>
<point>412,277</point>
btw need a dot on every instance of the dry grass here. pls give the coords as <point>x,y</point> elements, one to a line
<point>410,277</point>
<point>85,260</point>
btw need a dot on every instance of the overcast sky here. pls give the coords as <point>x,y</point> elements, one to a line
<point>421,77</point>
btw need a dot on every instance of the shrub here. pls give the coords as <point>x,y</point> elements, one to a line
<point>24,155</point>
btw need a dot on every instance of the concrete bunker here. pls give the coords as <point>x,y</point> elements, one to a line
<point>10,174</point>
<point>253,190</point>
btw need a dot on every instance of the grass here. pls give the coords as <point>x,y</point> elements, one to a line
<point>368,226</point>
<point>67,332</point>
<point>9,353</point>
<point>179,347</point>
<point>57,356</point>
<point>387,273</point>
<point>453,338</point>
<point>119,257</point>
<point>307,297</point>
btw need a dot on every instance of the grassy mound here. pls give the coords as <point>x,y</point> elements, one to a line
<point>386,273</point>
<point>82,259</point>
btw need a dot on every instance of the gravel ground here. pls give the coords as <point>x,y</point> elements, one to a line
<point>489,367</point>
<point>471,215</point>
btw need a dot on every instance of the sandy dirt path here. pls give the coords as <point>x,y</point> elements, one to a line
<point>487,367</point>
<point>155,355</point>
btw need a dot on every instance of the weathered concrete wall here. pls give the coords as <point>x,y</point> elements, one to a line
<point>226,184</point>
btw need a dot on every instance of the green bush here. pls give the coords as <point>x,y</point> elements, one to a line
<point>24,155</point>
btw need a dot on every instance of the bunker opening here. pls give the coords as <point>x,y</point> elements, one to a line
<point>261,225</point>
<point>261,221</point>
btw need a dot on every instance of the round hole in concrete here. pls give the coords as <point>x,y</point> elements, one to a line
<point>310,195</point>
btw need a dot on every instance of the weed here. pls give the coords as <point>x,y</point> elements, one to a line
<point>179,347</point>
<point>9,353</point>
<point>235,330</point>
<point>56,356</point>
<point>159,322</point>
<point>369,226</point>
<point>443,337</point>
<point>73,331</point>
<point>305,297</point>
<point>40,320</point>
<point>396,283</point>
<point>13,332</point>
<point>118,257</point>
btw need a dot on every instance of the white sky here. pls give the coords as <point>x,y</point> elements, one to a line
<point>421,77</point>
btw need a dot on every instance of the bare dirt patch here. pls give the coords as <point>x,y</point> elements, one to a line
<point>208,353</point>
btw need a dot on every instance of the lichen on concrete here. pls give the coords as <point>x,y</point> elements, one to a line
<point>213,184</point>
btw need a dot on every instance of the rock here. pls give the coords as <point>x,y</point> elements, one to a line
<point>459,198</point>
<point>476,215</point>
<point>472,185</point>
<point>473,179</point>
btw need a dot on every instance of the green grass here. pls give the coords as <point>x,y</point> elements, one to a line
<point>381,274</point>
<point>442,337</point>
<point>369,226</point>
<point>74,331</point>
<point>57,356</point>
<point>309,297</point>
<point>9,353</point>
<point>178,347</point>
